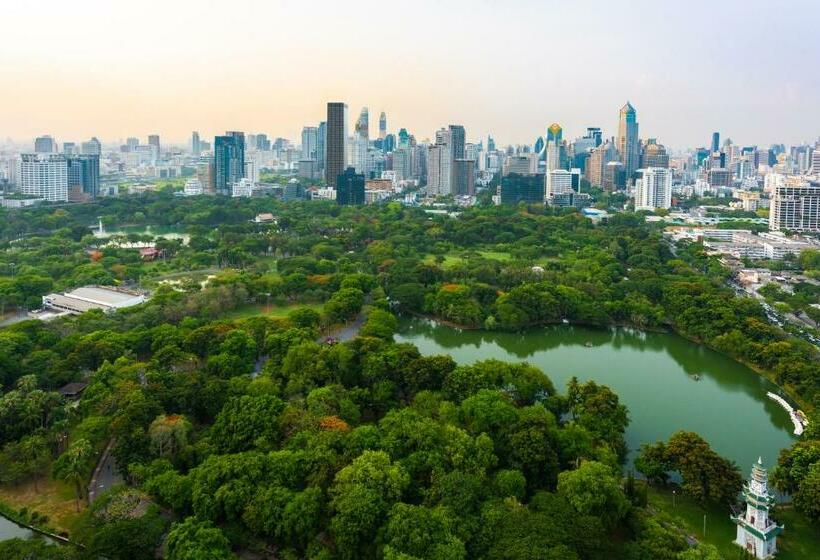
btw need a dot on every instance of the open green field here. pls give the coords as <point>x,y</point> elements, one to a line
<point>254,310</point>
<point>457,257</point>
<point>53,498</point>
<point>799,541</point>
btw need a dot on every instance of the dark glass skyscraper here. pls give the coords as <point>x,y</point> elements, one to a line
<point>350,188</point>
<point>628,146</point>
<point>335,142</point>
<point>457,141</point>
<point>715,141</point>
<point>229,161</point>
<point>84,174</point>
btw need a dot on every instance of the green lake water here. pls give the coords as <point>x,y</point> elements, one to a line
<point>652,374</point>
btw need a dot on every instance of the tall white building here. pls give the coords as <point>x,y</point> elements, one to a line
<point>795,208</point>
<point>654,189</point>
<point>44,176</point>
<point>815,162</point>
<point>192,187</point>
<point>559,181</point>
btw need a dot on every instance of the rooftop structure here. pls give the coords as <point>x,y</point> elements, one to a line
<point>87,298</point>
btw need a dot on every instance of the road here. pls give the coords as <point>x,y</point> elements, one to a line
<point>343,334</point>
<point>105,474</point>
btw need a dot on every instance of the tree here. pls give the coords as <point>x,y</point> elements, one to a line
<point>653,463</point>
<point>197,540</point>
<point>807,497</point>
<point>706,476</point>
<point>592,489</point>
<point>169,434</point>
<point>362,494</point>
<point>421,532</point>
<point>246,422</point>
<point>74,465</point>
<point>380,323</point>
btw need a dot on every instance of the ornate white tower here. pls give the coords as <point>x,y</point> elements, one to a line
<point>755,531</point>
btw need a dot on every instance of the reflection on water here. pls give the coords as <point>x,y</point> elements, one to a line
<point>9,530</point>
<point>653,373</point>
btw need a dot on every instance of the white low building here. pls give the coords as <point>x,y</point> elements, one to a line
<point>87,298</point>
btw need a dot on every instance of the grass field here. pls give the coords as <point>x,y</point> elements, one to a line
<point>52,498</point>
<point>255,310</point>
<point>799,541</point>
<point>457,257</point>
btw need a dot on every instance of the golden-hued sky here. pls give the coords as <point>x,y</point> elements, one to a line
<point>114,69</point>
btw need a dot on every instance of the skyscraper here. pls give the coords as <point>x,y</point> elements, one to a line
<point>463,176</point>
<point>336,142</point>
<point>715,141</point>
<point>321,141</point>
<point>229,161</point>
<point>310,140</point>
<point>45,145</point>
<point>439,164</point>
<point>553,148</point>
<point>382,126</point>
<point>628,147</point>
<point>654,154</point>
<point>195,145</point>
<point>362,129</point>
<point>458,140</point>
<point>598,159</point>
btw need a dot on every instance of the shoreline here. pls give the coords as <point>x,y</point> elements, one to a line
<point>669,329</point>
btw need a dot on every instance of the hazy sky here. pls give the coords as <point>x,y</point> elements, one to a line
<point>114,69</point>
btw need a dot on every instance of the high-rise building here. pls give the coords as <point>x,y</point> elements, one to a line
<point>463,176</point>
<point>321,143</point>
<point>715,141</point>
<point>229,161</point>
<point>523,164</point>
<point>262,142</point>
<point>439,164</point>
<point>598,159</point>
<point>310,141</point>
<point>457,140</point>
<point>382,126</point>
<point>553,148</point>
<point>69,148</point>
<point>92,147</point>
<point>490,144</point>
<point>389,143</point>
<point>45,145</point>
<point>195,145</point>
<point>517,188</point>
<point>336,142</point>
<point>560,181</point>
<point>628,146</point>
<point>83,176</point>
<point>654,154</point>
<point>403,163</point>
<point>132,143</point>
<point>153,140</point>
<point>795,208</point>
<point>614,176</point>
<point>349,187</point>
<point>362,128</point>
<point>719,177</point>
<point>654,188</point>
<point>43,176</point>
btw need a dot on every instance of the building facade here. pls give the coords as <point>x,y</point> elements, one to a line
<point>335,141</point>
<point>653,189</point>
<point>350,188</point>
<point>229,161</point>
<point>756,532</point>
<point>628,146</point>
<point>795,208</point>
<point>43,176</point>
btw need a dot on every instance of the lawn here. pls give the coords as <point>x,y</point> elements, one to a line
<point>453,258</point>
<point>253,310</point>
<point>799,541</point>
<point>52,498</point>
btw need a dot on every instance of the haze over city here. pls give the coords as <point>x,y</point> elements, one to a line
<point>171,67</point>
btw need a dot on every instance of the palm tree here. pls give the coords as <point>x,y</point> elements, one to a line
<point>72,466</point>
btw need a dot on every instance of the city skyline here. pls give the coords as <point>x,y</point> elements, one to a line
<point>685,74</point>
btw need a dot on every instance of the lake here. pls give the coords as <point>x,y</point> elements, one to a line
<point>10,530</point>
<point>652,374</point>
